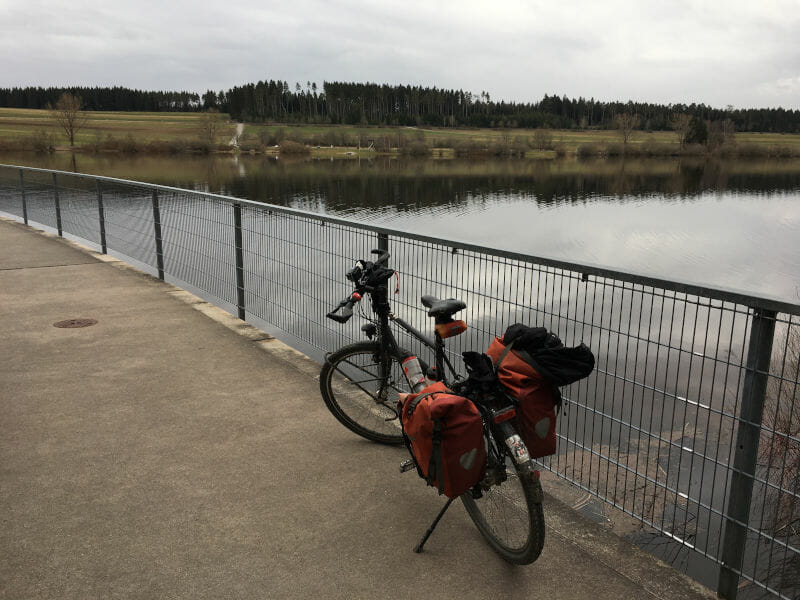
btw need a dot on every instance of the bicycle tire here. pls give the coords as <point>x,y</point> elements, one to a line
<point>509,516</point>
<point>356,395</point>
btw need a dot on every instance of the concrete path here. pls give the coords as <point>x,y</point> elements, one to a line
<point>171,451</point>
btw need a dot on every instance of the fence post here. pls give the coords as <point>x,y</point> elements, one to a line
<point>159,241</point>
<point>751,411</point>
<point>102,216</point>
<point>22,190</point>
<point>58,206</point>
<point>383,242</point>
<point>237,224</point>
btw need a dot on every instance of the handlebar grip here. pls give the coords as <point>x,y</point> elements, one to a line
<point>346,313</point>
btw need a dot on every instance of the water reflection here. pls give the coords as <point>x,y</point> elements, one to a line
<point>408,183</point>
<point>413,185</point>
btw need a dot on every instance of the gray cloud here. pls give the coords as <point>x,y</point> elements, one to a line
<point>717,52</point>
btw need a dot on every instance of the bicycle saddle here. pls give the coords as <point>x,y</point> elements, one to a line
<point>442,308</point>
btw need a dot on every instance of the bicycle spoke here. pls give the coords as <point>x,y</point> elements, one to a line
<point>508,518</point>
<point>376,396</point>
<point>359,397</point>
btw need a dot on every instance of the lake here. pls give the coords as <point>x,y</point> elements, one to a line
<point>733,224</point>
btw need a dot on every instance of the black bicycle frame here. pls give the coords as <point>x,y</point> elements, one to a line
<point>381,307</point>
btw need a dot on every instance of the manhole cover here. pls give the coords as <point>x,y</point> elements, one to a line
<point>74,323</point>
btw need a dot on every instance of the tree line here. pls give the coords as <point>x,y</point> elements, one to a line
<point>375,104</point>
<point>102,98</point>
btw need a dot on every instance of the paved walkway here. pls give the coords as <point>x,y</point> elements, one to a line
<point>171,451</point>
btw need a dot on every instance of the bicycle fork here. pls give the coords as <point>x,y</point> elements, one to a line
<point>518,451</point>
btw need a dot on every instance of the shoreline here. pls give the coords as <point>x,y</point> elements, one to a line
<point>189,133</point>
<point>603,152</point>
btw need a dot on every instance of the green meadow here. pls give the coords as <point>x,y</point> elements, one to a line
<point>138,132</point>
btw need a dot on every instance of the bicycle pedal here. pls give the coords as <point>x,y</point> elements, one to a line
<point>406,465</point>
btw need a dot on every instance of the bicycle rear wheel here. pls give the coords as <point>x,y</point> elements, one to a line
<point>359,384</point>
<point>509,515</point>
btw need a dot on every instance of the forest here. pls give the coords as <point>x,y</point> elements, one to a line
<point>102,98</point>
<point>276,101</point>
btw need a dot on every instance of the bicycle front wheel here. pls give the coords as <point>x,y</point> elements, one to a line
<point>509,516</point>
<point>359,384</point>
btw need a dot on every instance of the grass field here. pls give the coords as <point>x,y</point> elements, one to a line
<point>182,130</point>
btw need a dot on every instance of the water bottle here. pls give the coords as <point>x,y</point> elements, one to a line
<point>414,373</point>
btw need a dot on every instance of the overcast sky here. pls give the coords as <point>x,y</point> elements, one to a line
<point>743,53</point>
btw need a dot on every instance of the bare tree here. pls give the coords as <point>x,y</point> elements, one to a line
<point>68,115</point>
<point>210,126</point>
<point>680,124</point>
<point>543,140</point>
<point>626,123</point>
<point>721,133</point>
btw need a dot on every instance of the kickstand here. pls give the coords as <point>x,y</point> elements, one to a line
<point>428,533</point>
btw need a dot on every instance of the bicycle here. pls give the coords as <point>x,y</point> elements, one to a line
<point>361,383</point>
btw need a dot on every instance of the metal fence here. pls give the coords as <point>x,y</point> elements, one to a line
<point>690,422</point>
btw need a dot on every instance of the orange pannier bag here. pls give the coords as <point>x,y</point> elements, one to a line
<point>444,433</point>
<point>536,414</point>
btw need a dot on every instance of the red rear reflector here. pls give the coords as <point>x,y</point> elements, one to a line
<point>356,296</point>
<point>505,415</point>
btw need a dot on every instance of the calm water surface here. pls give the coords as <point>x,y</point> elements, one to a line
<point>733,224</point>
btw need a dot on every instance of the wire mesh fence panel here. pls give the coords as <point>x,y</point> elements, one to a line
<point>772,554</point>
<point>294,273</point>
<point>11,195</point>
<point>129,222</point>
<point>688,408</point>
<point>78,206</point>
<point>198,243</point>
<point>40,198</point>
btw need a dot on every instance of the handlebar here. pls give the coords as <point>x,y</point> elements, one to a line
<point>367,277</point>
